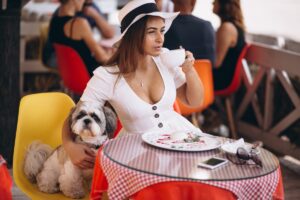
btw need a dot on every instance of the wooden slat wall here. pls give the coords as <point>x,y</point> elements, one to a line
<point>272,63</point>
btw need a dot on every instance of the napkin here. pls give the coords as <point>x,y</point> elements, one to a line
<point>231,147</point>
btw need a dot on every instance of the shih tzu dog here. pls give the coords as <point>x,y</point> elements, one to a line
<point>53,170</point>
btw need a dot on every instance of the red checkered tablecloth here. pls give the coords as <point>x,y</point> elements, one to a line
<point>124,182</point>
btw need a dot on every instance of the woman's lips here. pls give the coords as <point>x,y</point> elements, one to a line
<point>158,48</point>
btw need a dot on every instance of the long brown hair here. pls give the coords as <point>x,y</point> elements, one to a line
<point>131,47</point>
<point>230,10</point>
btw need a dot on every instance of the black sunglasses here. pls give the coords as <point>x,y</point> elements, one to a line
<point>242,156</point>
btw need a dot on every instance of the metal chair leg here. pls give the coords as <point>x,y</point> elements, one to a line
<point>230,118</point>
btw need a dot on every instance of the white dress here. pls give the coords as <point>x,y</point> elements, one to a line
<point>136,115</point>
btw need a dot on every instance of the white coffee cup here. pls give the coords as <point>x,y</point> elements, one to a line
<point>173,58</point>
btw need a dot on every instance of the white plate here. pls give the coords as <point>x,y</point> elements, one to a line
<point>231,149</point>
<point>164,141</point>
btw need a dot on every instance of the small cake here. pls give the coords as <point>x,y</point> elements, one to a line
<point>185,137</point>
<point>180,135</point>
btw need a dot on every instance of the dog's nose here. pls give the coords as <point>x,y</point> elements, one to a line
<point>87,121</point>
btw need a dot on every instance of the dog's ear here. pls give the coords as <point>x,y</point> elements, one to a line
<point>70,116</point>
<point>111,121</point>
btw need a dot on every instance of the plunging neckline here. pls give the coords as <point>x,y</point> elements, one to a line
<point>138,97</point>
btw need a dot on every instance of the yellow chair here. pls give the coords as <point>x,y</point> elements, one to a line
<point>204,70</point>
<point>41,117</point>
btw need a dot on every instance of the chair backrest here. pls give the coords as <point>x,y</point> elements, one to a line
<point>44,27</point>
<point>176,107</point>
<point>236,80</point>
<point>46,50</point>
<point>71,68</point>
<point>204,70</point>
<point>41,117</point>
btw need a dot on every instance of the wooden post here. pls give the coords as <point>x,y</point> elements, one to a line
<point>9,76</point>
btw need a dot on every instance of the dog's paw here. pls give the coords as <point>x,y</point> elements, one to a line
<point>48,188</point>
<point>72,186</point>
<point>47,184</point>
<point>74,193</point>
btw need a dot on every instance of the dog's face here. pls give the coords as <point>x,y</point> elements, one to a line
<point>91,122</point>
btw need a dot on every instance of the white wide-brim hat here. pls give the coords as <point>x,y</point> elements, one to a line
<point>137,9</point>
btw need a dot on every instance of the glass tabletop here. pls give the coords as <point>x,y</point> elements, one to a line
<point>131,152</point>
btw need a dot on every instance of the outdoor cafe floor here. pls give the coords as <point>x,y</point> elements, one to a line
<point>290,174</point>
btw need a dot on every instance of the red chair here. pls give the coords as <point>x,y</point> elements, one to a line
<point>176,107</point>
<point>231,89</point>
<point>71,69</point>
<point>5,180</point>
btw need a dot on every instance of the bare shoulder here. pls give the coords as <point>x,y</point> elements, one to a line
<point>227,27</point>
<point>81,24</point>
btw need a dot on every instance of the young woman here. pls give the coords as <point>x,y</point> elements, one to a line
<point>76,32</point>
<point>230,40</point>
<point>136,83</point>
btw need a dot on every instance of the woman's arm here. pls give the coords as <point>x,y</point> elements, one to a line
<point>83,28</point>
<point>98,91</point>
<point>191,93</point>
<point>104,27</point>
<point>226,37</point>
<point>80,155</point>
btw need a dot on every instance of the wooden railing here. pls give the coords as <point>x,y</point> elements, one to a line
<point>270,64</point>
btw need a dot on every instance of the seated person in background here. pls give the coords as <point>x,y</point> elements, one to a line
<point>96,19</point>
<point>165,5</point>
<point>230,41</point>
<point>93,16</point>
<point>190,32</point>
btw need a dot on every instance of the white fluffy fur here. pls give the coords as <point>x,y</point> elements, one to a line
<point>37,154</point>
<point>92,129</point>
<point>53,171</point>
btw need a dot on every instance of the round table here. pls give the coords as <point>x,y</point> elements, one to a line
<point>132,166</point>
<point>131,152</point>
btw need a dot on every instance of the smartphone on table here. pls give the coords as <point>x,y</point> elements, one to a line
<point>213,163</point>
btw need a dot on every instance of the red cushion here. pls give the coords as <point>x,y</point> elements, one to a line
<point>236,81</point>
<point>71,68</point>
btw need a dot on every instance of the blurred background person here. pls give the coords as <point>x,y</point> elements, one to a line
<point>190,32</point>
<point>230,40</point>
<point>94,17</point>
<point>165,5</point>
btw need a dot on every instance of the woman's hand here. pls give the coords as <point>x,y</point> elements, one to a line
<point>188,65</point>
<point>90,11</point>
<point>81,155</point>
<point>190,93</point>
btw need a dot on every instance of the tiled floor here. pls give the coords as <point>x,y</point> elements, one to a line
<point>17,193</point>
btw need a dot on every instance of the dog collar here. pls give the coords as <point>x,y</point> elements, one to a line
<point>97,146</point>
<point>94,146</point>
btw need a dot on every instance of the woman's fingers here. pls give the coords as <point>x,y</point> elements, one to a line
<point>189,62</point>
<point>89,158</point>
<point>90,151</point>
<point>189,56</point>
<point>87,162</point>
<point>86,165</point>
<point>82,156</point>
